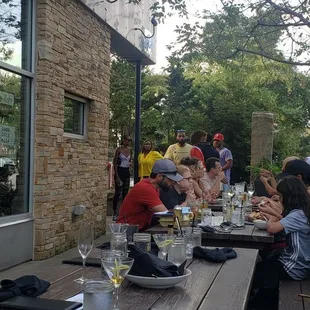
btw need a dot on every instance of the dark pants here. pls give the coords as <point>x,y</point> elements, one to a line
<point>124,176</point>
<point>269,272</point>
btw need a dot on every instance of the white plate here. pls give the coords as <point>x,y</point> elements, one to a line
<point>158,283</point>
<point>260,224</point>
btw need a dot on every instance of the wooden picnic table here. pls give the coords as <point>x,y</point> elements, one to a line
<point>211,286</point>
<point>249,237</point>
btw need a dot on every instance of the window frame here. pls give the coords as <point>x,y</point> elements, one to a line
<point>85,103</point>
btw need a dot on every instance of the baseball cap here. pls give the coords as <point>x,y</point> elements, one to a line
<point>218,136</point>
<point>167,168</point>
<point>299,167</point>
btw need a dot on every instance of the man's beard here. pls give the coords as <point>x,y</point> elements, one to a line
<point>164,186</point>
<point>181,142</point>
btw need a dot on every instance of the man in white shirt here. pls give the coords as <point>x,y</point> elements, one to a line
<point>214,176</point>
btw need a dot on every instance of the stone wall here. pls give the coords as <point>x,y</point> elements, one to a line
<point>73,56</point>
<point>261,137</point>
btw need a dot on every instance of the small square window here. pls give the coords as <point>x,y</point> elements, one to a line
<point>75,115</point>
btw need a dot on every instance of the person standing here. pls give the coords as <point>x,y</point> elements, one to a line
<point>146,159</point>
<point>226,157</point>
<point>121,163</point>
<point>198,138</point>
<point>208,150</point>
<point>179,150</point>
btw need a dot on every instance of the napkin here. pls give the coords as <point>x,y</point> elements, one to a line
<point>207,229</point>
<point>29,285</point>
<point>148,265</point>
<point>216,256</point>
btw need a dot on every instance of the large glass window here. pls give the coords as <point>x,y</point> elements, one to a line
<point>15,32</point>
<point>16,102</point>
<point>14,143</point>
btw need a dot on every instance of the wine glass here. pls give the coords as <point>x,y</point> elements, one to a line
<point>164,243</point>
<point>85,245</point>
<point>231,192</point>
<point>250,188</point>
<point>118,228</point>
<point>117,268</point>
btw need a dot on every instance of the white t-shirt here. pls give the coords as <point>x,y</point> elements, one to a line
<point>207,182</point>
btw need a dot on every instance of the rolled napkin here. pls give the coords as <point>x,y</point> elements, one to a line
<point>24,286</point>
<point>148,265</point>
<point>215,256</point>
<point>90,261</point>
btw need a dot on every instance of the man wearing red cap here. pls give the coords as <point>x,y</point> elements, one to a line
<point>225,155</point>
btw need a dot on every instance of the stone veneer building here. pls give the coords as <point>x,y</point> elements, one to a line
<point>63,101</point>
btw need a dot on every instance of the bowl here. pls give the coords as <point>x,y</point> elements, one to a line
<point>260,224</point>
<point>158,283</point>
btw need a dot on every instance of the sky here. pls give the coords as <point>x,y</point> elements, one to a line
<point>166,34</point>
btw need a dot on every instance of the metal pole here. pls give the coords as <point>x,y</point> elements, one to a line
<point>137,120</point>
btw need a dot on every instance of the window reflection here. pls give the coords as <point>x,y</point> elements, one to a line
<point>14,145</point>
<point>15,32</point>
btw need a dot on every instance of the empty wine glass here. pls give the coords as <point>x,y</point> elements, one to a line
<point>85,245</point>
<point>118,228</point>
<point>250,188</point>
<point>164,243</point>
<point>117,269</point>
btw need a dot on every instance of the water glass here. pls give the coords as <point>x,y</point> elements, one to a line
<point>189,245</point>
<point>98,294</point>
<point>142,241</point>
<point>197,237</point>
<point>177,253</point>
<point>131,230</point>
<point>119,243</point>
<point>206,217</point>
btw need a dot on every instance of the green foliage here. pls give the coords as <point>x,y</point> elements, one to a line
<point>263,164</point>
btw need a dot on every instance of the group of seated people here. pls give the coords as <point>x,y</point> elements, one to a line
<point>169,185</point>
<point>287,210</point>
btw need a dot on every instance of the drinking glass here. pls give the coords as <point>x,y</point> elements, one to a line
<point>98,294</point>
<point>117,269</point>
<point>85,245</point>
<point>142,241</point>
<point>109,253</point>
<point>250,188</point>
<point>118,228</point>
<point>164,243</point>
<point>177,254</point>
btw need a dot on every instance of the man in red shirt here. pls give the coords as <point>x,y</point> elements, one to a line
<point>143,199</point>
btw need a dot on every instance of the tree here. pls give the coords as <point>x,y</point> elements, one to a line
<point>276,30</point>
<point>9,27</point>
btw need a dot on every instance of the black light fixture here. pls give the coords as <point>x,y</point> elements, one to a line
<point>154,23</point>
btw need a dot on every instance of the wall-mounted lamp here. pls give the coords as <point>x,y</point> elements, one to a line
<point>154,23</point>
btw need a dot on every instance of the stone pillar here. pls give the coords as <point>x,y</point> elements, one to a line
<point>261,137</point>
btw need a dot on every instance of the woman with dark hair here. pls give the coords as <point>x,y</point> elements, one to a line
<point>121,163</point>
<point>291,263</point>
<point>146,159</point>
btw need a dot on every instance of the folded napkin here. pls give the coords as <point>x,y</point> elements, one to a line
<point>207,229</point>
<point>216,256</point>
<point>148,265</point>
<point>90,261</point>
<point>24,286</point>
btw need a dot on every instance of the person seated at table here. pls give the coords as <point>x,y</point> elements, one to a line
<point>293,262</point>
<point>298,168</point>
<point>147,158</point>
<point>197,171</point>
<point>176,195</point>
<point>143,199</point>
<point>270,181</point>
<point>214,176</point>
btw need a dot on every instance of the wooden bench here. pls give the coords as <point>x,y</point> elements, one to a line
<point>288,295</point>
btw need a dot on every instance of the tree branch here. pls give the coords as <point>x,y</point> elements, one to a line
<point>288,11</point>
<point>263,54</point>
<point>284,24</point>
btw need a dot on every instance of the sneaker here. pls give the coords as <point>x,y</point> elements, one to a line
<point>114,218</point>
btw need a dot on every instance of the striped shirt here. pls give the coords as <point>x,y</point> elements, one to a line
<point>296,256</point>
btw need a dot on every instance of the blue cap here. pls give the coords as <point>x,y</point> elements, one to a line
<point>167,168</point>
